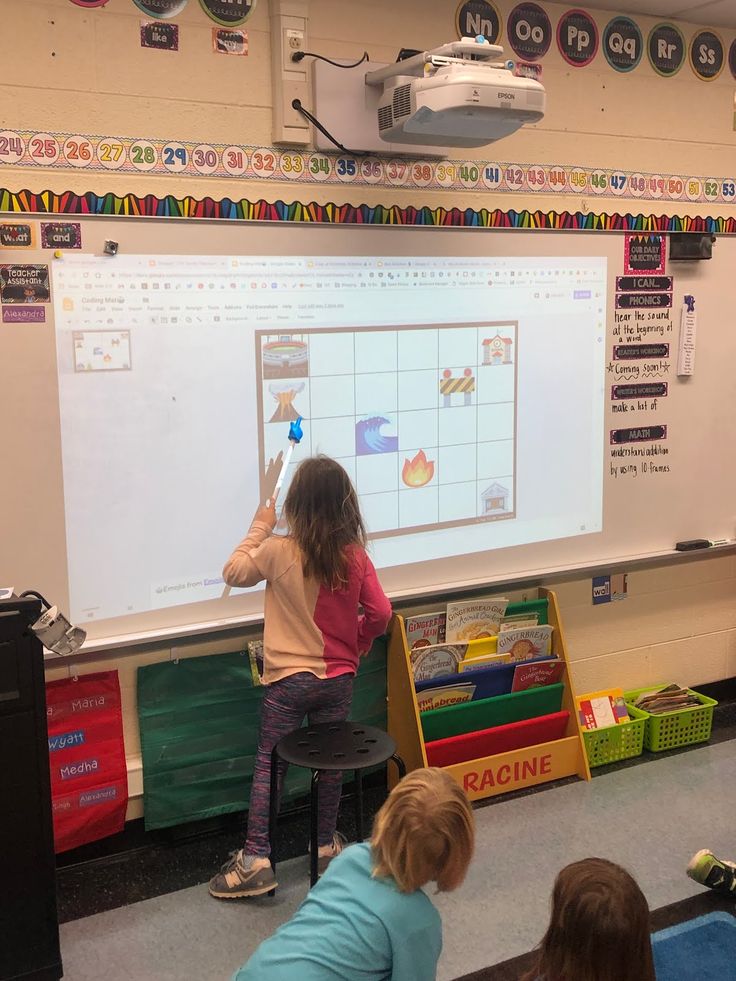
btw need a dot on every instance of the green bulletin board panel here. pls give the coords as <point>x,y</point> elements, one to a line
<point>198,722</point>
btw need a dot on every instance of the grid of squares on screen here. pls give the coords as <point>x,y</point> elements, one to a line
<point>423,419</point>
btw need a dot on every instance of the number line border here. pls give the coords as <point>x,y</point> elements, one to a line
<point>173,158</point>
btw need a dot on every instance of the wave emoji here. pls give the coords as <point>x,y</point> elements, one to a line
<point>369,438</point>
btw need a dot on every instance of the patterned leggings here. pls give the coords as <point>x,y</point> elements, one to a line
<point>284,706</point>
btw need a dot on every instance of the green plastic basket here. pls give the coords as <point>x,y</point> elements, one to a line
<point>680,728</point>
<point>620,742</point>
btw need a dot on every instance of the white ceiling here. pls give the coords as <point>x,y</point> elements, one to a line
<point>713,13</point>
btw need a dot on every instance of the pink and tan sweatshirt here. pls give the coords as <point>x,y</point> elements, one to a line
<point>308,627</point>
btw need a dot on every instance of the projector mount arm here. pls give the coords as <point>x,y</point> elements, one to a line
<point>446,54</point>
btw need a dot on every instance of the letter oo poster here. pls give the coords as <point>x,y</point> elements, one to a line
<point>89,780</point>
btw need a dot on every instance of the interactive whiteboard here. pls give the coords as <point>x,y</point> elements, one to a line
<point>464,380</point>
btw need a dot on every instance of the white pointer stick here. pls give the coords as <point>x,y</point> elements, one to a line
<point>295,437</point>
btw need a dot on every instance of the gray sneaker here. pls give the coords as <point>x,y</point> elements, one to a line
<point>338,843</point>
<point>238,879</point>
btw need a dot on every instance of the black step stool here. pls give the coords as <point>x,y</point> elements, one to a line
<point>331,746</point>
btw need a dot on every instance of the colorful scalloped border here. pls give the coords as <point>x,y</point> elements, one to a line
<point>130,205</point>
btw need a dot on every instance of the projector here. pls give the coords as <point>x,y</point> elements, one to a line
<point>460,99</point>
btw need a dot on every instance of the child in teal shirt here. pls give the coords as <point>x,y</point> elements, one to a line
<point>368,918</point>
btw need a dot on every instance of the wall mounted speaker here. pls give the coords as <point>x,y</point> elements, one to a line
<point>691,245</point>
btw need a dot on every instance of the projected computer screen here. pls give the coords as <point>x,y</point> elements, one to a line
<point>464,396</point>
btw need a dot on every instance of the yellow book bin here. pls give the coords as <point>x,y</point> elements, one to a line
<point>501,773</point>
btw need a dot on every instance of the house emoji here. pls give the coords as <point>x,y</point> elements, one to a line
<point>494,499</point>
<point>497,350</point>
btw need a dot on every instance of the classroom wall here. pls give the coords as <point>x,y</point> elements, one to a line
<point>677,624</point>
<point>80,71</point>
<point>77,71</point>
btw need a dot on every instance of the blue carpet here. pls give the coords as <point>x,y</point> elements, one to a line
<point>704,948</point>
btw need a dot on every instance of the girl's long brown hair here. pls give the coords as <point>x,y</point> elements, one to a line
<point>324,519</point>
<point>599,927</point>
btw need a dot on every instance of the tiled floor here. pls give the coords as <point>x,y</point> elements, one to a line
<point>650,818</point>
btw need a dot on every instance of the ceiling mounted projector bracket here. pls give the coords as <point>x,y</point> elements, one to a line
<point>456,95</point>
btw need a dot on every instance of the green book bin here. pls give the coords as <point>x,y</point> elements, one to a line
<point>683,727</point>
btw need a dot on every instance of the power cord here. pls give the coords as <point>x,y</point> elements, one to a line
<point>35,595</point>
<point>297,104</point>
<point>301,55</point>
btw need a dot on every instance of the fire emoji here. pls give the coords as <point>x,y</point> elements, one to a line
<point>419,471</point>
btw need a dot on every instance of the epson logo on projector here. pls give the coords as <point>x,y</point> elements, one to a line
<point>506,95</point>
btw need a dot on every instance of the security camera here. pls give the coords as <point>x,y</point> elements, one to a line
<point>111,248</point>
<point>53,629</point>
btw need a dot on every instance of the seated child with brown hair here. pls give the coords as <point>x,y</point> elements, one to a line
<point>599,927</point>
<point>368,917</point>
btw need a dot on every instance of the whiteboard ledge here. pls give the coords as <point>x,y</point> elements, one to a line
<point>528,578</point>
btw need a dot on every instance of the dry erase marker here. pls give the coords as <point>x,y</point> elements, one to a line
<point>715,542</point>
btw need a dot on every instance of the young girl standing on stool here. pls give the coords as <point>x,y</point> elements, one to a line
<point>316,578</point>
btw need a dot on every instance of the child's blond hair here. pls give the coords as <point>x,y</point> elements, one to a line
<point>425,832</point>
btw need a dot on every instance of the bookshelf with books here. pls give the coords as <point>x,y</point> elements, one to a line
<point>495,722</point>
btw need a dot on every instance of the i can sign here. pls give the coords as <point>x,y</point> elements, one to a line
<point>577,38</point>
<point>478,17</point>
<point>623,44</point>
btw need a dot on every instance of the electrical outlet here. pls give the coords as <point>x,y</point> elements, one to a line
<point>293,42</point>
<point>289,20</point>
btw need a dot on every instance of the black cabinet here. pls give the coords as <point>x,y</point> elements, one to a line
<point>29,931</point>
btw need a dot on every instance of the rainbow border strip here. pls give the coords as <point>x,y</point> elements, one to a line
<point>130,205</point>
